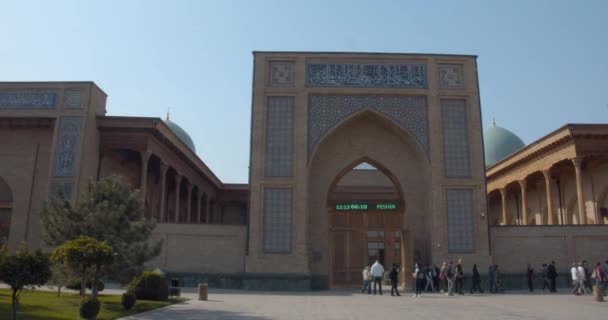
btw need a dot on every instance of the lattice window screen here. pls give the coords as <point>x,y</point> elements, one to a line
<point>459,204</point>
<point>277,220</point>
<point>279,137</point>
<point>455,139</point>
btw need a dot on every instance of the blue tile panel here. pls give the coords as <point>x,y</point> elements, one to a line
<point>360,75</point>
<point>29,99</point>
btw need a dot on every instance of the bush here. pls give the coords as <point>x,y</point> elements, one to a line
<point>150,285</point>
<point>128,300</point>
<point>74,284</point>
<point>89,308</point>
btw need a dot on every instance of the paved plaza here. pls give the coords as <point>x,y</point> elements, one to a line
<point>247,305</point>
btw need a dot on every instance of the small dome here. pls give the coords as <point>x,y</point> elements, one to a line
<point>181,134</point>
<point>499,143</point>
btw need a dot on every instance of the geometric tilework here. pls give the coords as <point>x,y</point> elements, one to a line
<point>281,74</point>
<point>277,220</point>
<point>366,75</point>
<point>67,145</point>
<point>74,99</point>
<point>326,112</point>
<point>455,139</point>
<point>62,190</point>
<point>460,215</point>
<point>30,99</point>
<point>279,137</point>
<point>450,76</point>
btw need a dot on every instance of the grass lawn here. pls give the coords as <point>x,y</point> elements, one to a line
<point>46,305</point>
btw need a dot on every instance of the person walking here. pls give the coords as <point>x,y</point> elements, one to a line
<point>459,277</point>
<point>367,277</point>
<point>377,272</point>
<point>552,275</point>
<point>598,275</point>
<point>582,277</point>
<point>436,277</point>
<point>443,277</point>
<point>491,277</point>
<point>530,278</point>
<point>605,270</point>
<point>450,278</point>
<point>575,280</point>
<point>475,281</point>
<point>545,276</point>
<point>430,282</point>
<point>394,275</point>
<point>587,275</point>
<point>418,280</point>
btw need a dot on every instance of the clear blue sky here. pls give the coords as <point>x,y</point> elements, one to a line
<point>541,63</point>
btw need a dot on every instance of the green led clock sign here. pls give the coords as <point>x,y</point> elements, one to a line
<point>384,206</point>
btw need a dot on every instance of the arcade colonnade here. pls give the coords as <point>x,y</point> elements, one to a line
<point>562,182</point>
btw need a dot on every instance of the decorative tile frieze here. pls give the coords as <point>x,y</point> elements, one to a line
<point>450,76</point>
<point>326,112</point>
<point>412,76</point>
<point>74,99</point>
<point>281,73</point>
<point>279,137</point>
<point>66,146</point>
<point>277,233</point>
<point>62,189</point>
<point>30,99</point>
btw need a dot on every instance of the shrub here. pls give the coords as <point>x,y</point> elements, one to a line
<point>74,284</point>
<point>150,285</point>
<point>89,308</point>
<point>128,300</point>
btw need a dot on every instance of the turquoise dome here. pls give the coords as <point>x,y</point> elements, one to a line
<point>499,143</point>
<point>181,134</point>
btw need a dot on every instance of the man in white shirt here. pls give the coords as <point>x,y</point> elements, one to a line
<point>575,282</point>
<point>581,277</point>
<point>377,272</point>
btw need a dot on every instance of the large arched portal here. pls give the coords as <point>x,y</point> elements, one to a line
<point>355,215</point>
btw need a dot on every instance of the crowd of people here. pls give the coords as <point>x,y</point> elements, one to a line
<point>449,278</point>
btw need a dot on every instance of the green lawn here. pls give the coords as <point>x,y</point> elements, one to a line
<point>46,305</point>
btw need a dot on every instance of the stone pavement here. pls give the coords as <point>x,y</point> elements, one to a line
<point>248,305</point>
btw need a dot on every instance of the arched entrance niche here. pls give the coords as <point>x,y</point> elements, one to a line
<point>6,207</point>
<point>367,137</point>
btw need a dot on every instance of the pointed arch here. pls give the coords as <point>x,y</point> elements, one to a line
<point>387,173</point>
<point>387,122</point>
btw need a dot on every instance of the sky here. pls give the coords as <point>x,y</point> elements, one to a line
<point>542,64</point>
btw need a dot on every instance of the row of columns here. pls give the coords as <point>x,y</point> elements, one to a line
<point>577,163</point>
<point>164,168</point>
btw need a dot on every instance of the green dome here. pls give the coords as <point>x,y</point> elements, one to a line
<point>499,143</point>
<point>181,134</point>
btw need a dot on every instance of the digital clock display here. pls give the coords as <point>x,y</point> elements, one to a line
<point>354,206</point>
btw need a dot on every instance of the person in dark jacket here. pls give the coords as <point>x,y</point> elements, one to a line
<point>476,281</point>
<point>530,278</point>
<point>552,275</point>
<point>459,277</point>
<point>394,275</point>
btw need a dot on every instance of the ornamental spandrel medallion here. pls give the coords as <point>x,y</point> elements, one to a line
<point>411,76</point>
<point>74,99</point>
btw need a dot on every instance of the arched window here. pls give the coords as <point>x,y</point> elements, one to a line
<point>6,207</point>
<point>204,208</point>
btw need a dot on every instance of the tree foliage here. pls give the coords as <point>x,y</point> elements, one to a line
<point>21,269</point>
<point>83,255</point>
<point>106,211</point>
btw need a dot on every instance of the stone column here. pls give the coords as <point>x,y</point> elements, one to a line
<point>189,204</point>
<point>178,182</point>
<point>524,202</point>
<point>582,216</point>
<point>198,206</point>
<point>163,185</point>
<point>503,198</point>
<point>547,174</point>
<point>145,157</point>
